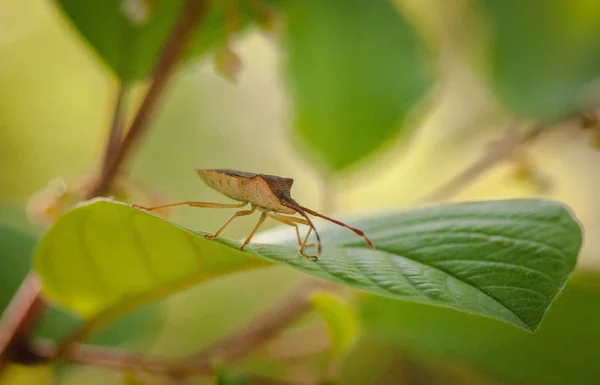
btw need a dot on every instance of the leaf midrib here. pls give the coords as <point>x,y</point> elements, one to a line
<point>460,280</point>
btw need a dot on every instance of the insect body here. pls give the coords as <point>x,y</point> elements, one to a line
<point>267,193</point>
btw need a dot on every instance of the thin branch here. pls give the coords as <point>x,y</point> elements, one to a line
<point>115,135</point>
<point>122,360</point>
<point>116,129</point>
<point>19,320</point>
<point>191,15</point>
<point>113,358</point>
<point>84,331</point>
<point>261,329</point>
<point>227,349</point>
<point>499,152</point>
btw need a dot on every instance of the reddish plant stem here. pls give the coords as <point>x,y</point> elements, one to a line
<point>500,151</point>
<point>262,328</point>
<point>27,306</point>
<point>116,129</point>
<point>228,349</point>
<point>181,36</point>
<point>18,322</point>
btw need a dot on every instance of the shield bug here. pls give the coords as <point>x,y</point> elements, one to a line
<point>267,193</point>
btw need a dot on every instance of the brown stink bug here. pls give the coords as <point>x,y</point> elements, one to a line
<point>267,193</point>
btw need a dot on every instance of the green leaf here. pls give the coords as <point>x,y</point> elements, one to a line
<point>132,330</point>
<point>503,259</point>
<point>341,319</point>
<point>128,34</point>
<point>559,353</point>
<point>105,254</point>
<point>545,54</point>
<point>16,250</point>
<point>354,69</point>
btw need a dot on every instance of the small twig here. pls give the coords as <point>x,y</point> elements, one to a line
<point>499,152</point>
<point>81,333</point>
<point>115,135</point>
<point>191,15</point>
<point>123,360</point>
<point>116,129</point>
<point>105,357</point>
<point>19,320</point>
<point>116,153</point>
<point>261,329</point>
<point>227,349</point>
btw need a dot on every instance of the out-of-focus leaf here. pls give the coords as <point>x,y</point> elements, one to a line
<point>103,254</point>
<point>132,330</point>
<point>501,259</point>
<point>545,54</point>
<point>16,249</point>
<point>136,329</point>
<point>128,35</point>
<point>560,353</point>
<point>341,319</point>
<point>355,69</point>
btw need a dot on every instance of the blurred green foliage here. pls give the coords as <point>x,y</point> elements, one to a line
<point>542,64</point>
<point>16,251</point>
<point>342,321</point>
<point>354,70</point>
<point>107,255</point>
<point>561,352</point>
<point>545,55</point>
<point>128,35</point>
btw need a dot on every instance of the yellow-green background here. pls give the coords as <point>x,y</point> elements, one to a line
<point>55,107</point>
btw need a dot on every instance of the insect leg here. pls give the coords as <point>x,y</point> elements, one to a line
<point>195,204</point>
<point>304,245</point>
<point>300,211</point>
<point>288,220</point>
<point>355,230</point>
<point>291,221</point>
<point>260,221</point>
<point>238,214</point>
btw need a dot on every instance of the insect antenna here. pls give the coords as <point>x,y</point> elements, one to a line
<point>302,211</point>
<point>357,231</point>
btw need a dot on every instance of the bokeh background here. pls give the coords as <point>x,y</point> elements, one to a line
<point>55,107</point>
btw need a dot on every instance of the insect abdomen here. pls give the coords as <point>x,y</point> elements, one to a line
<point>223,183</point>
